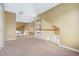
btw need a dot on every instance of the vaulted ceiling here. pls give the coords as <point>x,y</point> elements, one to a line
<point>25,12</point>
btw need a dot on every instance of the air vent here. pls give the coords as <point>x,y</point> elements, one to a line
<point>21,12</point>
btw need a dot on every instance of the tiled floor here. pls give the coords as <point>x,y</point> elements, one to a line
<point>34,47</point>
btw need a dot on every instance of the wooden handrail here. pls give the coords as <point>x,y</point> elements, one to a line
<point>49,30</point>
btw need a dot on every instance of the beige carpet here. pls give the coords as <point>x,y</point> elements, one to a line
<point>34,47</point>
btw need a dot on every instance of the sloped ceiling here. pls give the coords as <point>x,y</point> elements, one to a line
<point>25,12</point>
<point>42,7</point>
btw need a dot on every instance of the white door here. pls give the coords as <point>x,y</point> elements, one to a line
<point>1,28</point>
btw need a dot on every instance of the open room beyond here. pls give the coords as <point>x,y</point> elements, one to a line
<point>39,29</point>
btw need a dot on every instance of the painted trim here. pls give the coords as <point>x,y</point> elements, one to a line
<point>10,39</point>
<point>69,48</point>
<point>10,11</point>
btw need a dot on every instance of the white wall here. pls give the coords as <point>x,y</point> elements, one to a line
<point>1,28</point>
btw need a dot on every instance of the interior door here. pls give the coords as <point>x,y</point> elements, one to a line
<point>1,27</point>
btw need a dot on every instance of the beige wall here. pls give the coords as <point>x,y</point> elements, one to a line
<point>10,26</point>
<point>65,16</point>
<point>46,25</point>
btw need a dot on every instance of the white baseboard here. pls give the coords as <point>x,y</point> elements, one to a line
<point>72,49</point>
<point>10,39</point>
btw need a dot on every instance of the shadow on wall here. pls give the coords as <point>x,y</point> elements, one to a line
<point>57,30</point>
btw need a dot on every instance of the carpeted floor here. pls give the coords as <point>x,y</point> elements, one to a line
<point>34,47</point>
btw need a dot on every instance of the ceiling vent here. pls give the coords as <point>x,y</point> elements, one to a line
<point>21,12</point>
